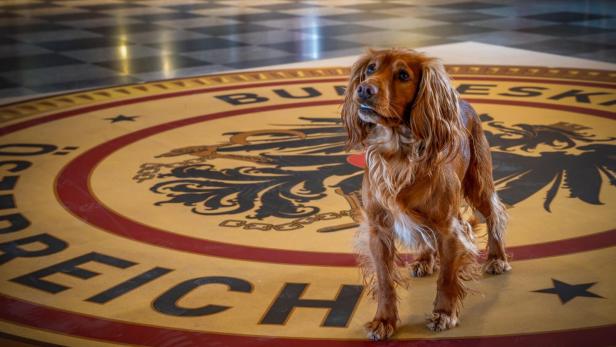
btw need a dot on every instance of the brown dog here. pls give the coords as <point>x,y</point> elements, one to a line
<point>426,153</point>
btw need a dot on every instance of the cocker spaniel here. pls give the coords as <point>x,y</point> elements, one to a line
<point>425,155</point>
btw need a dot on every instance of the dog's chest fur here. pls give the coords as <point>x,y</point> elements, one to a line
<point>389,166</point>
<point>390,169</point>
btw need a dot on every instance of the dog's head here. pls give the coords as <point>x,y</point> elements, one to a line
<point>401,87</point>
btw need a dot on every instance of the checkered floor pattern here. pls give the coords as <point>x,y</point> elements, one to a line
<point>56,45</point>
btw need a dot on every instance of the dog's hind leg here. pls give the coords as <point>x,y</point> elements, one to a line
<point>496,219</point>
<point>481,194</point>
<point>490,206</point>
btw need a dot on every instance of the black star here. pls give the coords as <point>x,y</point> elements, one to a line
<point>566,292</point>
<point>122,118</point>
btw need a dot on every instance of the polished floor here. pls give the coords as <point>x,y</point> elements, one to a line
<point>58,45</point>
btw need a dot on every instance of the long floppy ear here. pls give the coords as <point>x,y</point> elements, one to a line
<point>355,128</point>
<point>435,118</point>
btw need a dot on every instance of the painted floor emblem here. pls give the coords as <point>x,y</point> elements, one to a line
<point>220,210</point>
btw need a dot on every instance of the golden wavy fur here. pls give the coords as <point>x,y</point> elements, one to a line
<point>426,154</point>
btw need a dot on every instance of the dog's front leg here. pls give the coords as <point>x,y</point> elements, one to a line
<point>458,262</point>
<point>382,251</point>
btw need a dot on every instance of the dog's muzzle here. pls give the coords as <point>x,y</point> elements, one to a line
<point>368,114</point>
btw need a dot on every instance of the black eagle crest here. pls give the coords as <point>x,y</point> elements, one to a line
<point>286,171</point>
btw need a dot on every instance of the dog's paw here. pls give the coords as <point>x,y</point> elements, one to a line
<point>495,266</point>
<point>422,268</point>
<point>380,329</point>
<point>441,321</point>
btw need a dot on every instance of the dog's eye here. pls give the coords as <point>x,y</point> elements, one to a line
<point>403,75</point>
<point>370,69</point>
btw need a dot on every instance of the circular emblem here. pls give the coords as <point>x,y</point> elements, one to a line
<point>221,209</point>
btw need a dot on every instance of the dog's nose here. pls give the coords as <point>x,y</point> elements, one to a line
<point>366,90</point>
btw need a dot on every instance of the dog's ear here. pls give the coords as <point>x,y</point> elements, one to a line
<point>435,119</point>
<point>355,128</point>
